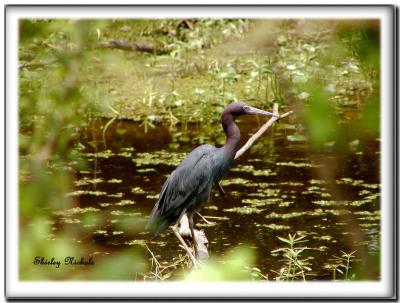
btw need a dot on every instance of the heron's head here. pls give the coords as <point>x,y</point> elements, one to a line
<point>239,108</point>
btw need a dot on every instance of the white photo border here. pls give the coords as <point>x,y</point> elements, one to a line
<point>386,288</point>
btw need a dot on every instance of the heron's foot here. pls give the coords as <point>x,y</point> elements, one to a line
<point>205,220</point>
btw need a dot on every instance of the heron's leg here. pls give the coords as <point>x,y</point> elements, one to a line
<point>191,226</point>
<point>205,220</point>
<point>220,189</point>
<point>192,258</point>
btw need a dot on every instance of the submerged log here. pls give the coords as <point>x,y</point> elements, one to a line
<point>201,239</point>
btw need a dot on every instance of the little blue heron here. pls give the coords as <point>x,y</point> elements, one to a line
<point>190,184</point>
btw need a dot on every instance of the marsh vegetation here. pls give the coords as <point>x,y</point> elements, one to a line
<point>107,109</point>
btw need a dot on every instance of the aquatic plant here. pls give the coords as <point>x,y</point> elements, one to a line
<point>295,267</point>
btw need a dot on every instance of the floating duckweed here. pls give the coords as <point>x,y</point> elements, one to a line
<point>265,185</point>
<point>104,204</point>
<point>243,168</point>
<point>350,181</point>
<point>86,192</point>
<point>125,154</point>
<point>121,213</point>
<point>85,172</point>
<point>265,172</point>
<point>86,181</point>
<point>125,202</point>
<point>258,202</point>
<point>324,203</point>
<point>100,232</point>
<point>285,204</point>
<point>276,226</point>
<point>114,181</point>
<point>366,213</point>
<point>246,210</point>
<point>71,220</point>
<point>212,207</point>
<point>236,193</point>
<point>371,186</point>
<point>316,212</point>
<point>314,181</point>
<point>359,203</point>
<point>137,190</point>
<point>269,192</point>
<point>145,170</point>
<point>75,211</point>
<point>117,232</point>
<point>158,157</point>
<point>369,225</point>
<point>290,183</point>
<point>275,215</point>
<point>364,192</point>
<point>324,238</point>
<point>298,164</point>
<point>238,181</point>
<point>137,242</point>
<point>156,196</point>
<point>370,218</point>
<point>104,154</point>
<point>117,195</point>
<point>127,149</point>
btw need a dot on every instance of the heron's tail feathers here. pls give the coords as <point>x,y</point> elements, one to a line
<point>157,223</point>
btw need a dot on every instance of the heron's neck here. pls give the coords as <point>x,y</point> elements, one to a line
<point>232,135</point>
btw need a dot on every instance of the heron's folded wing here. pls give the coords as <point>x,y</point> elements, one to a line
<point>189,179</point>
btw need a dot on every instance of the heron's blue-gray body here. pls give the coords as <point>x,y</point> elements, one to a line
<point>189,186</point>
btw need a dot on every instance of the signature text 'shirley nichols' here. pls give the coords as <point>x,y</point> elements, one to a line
<point>67,261</point>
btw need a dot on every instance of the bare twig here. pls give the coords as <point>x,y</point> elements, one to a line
<point>262,130</point>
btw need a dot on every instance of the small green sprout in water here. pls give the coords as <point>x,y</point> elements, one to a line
<point>341,262</point>
<point>295,267</point>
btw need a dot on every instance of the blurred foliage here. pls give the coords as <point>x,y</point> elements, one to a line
<point>234,266</point>
<point>329,71</point>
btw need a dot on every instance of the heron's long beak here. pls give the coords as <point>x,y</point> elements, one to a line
<point>255,111</point>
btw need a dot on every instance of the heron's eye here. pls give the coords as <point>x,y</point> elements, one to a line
<point>245,108</point>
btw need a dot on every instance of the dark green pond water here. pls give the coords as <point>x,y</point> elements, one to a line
<point>274,189</point>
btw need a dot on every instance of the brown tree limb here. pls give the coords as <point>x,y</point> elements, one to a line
<point>124,45</point>
<point>36,64</point>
